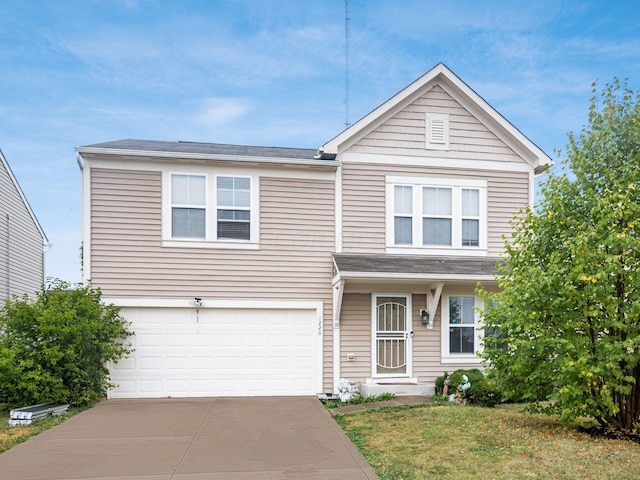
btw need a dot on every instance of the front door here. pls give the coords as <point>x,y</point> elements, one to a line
<point>392,336</point>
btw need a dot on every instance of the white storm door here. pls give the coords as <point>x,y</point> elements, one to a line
<point>392,336</point>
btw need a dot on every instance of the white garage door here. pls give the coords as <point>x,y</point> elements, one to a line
<point>181,352</point>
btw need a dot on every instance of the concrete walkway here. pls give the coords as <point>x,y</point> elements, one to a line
<point>191,439</point>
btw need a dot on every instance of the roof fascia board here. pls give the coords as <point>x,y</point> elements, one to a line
<point>350,135</point>
<point>45,240</point>
<point>413,276</point>
<point>498,124</point>
<point>332,164</point>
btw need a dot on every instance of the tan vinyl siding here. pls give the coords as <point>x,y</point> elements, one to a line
<point>363,208</point>
<point>426,344</point>
<point>506,196</point>
<point>405,132</point>
<point>364,202</point>
<point>21,244</point>
<point>355,336</point>
<point>128,259</point>
<point>293,262</point>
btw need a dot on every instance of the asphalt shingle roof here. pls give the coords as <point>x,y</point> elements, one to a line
<point>207,149</point>
<point>414,264</point>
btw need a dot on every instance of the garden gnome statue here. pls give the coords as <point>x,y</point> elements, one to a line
<point>445,388</point>
<point>465,384</point>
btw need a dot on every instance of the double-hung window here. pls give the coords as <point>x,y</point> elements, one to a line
<point>437,210</point>
<point>436,215</point>
<point>403,214</point>
<point>461,324</point>
<point>188,206</point>
<point>461,333</point>
<point>470,214</point>
<point>210,210</point>
<point>233,209</point>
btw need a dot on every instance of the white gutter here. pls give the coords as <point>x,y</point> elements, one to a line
<point>79,160</point>
<point>413,276</point>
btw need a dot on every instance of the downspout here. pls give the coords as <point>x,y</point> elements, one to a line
<point>338,291</point>
<point>46,248</point>
<point>85,246</point>
<point>8,256</point>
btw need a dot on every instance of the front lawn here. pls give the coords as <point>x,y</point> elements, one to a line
<point>455,442</point>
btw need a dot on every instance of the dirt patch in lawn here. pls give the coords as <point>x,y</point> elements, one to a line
<point>601,432</point>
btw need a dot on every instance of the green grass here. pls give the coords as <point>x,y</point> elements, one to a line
<point>359,400</point>
<point>455,442</point>
<point>11,436</point>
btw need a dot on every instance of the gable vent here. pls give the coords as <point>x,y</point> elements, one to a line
<point>437,134</point>
<point>437,131</point>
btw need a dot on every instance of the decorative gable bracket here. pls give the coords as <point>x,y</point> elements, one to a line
<point>433,300</point>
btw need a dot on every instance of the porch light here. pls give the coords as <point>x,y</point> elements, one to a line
<point>424,316</point>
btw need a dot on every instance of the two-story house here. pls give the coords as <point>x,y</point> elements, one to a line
<point>278,271</point>
<point>23,243</point>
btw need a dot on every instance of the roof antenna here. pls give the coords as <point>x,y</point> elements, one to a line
<point>347,124</point>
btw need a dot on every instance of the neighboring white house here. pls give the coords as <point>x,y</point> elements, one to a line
<point>22,241</point>
<point>278,271</point>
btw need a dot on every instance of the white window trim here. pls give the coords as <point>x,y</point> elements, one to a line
<point>374,360</point>
<point>460,358</point>
<point>210,240</point>
<point>430,142</point>
<point>226,207</point>
<point>417,248</point>
<point>189,206</point>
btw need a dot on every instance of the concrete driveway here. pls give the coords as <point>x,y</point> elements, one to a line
<point>191,439</point>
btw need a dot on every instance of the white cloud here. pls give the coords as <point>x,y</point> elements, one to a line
<point>216,111</point>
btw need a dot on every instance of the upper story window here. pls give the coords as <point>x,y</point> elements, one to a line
<point>470,211</point>
<point>210,210</point>
<point>437,131</point>
<point>435,215</point>
<point>437,211</point>
<point>188,206</point>
<point>234,208</point>
<point>403,214</point>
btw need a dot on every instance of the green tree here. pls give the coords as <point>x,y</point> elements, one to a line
<point>54,348</point>
<point>566,322</point>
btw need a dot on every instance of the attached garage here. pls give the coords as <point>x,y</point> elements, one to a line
<point>218,351</point>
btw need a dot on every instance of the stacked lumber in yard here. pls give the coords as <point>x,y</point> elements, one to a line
<point>26,415</point>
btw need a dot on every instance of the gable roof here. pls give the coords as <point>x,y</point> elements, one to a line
<point>5,164</point>
<point>209,151</point>
<point>460,91</point>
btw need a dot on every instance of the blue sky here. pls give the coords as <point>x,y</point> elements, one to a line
<point>272,73</point>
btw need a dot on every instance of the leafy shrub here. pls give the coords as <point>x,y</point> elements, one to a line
<point>455,379</point>
<point>54,348</point>
<point>567,307</point>
<point>484,392</point>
